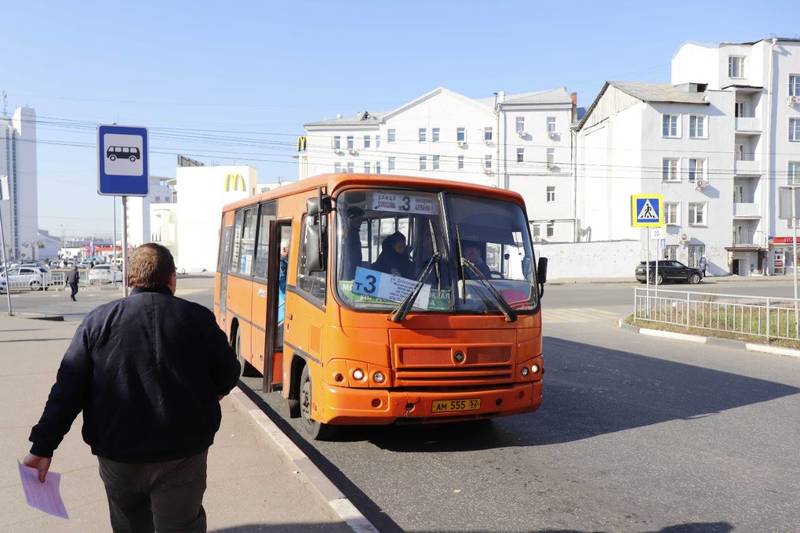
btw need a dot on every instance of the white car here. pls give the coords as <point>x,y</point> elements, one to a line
<point>3,285</point>
<point>26,278</point>
<point>104,274</point>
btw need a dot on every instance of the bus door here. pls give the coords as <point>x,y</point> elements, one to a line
<point>280,250</point>
<point>224,261</point>
<point>261,287</point>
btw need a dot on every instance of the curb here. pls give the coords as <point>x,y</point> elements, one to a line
<point>41,316</point>
<point>338,502</point>
<point>743,345</point>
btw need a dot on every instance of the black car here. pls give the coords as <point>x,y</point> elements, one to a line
<point>668,270</point>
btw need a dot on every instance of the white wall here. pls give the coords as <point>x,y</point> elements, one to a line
<point>601,259</point>
<point>201,197</point>
<point>18,162</point>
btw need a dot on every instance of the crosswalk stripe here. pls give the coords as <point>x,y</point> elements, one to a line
<point>576,314</point>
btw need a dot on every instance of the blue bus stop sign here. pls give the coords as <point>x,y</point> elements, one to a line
<point>122,164</point>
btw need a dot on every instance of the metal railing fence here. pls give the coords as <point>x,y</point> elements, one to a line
<point>760,316</point>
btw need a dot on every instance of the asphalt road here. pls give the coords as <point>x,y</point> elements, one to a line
<point>634,435</point>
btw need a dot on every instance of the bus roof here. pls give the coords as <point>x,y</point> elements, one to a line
<point>333,182</point>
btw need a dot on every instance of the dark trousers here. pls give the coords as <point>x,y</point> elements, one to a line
<point>74,288</point>
<point>159,497</point>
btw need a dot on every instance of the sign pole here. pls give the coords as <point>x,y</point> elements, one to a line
<point>114,246</point>
<point>794,258</point>
<point>658,255</point>
<point>124,246</point>
<point>647,269</point>
<point>5,266</point>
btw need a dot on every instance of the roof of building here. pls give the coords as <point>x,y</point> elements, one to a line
<point>367,118</point>
<point>650,93</point>
<point>750,43</point>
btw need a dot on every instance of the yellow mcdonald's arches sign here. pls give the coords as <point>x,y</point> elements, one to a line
<point>235,182</point>
<point>302,142</point>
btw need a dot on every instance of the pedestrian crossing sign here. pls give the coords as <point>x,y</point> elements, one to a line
<point>647,210</point>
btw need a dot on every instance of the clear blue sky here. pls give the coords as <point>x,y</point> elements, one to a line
<point>265,68</point>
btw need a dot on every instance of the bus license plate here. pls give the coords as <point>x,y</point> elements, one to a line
<point>447,406</point>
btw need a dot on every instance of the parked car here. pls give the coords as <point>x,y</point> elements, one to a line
<point>104,274</point>
<point>84,265</point>
<point>668,270</point>
<point>26,278</point>
<point>3,285</point>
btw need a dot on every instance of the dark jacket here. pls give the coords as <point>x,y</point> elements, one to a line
<point>73,277</point>
<point>390,262</point>
<point>146,371</point>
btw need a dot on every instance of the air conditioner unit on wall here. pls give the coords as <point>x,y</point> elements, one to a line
<point>488,171</point>
<point>701,184</point>
<point>522,134</point>
<point>553,134</point>
<point>462,144</point>
<point>793,101</point>
<point>353,151</point>
<point>684,238</point>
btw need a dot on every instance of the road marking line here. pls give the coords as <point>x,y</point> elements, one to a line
<point>672,335</point>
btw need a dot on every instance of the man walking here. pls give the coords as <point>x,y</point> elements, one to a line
<point>148,372</point>
<point>73,278</point>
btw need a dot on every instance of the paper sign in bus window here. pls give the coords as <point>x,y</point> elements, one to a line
<point>404,203</point>
<point>369,282</point>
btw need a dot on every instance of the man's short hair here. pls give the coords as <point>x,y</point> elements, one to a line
<point>151,267</point>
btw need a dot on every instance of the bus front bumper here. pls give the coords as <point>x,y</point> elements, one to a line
<point>350,406</point>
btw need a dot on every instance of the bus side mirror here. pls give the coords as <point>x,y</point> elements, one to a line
<point>314,256</point>
<point>541,271</point>
<point>321,205</point>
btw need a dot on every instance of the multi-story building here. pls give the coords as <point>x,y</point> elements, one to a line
<point>763,79</point>
<point>18,172</point>
<point>520,142</point>
<point>659,138</point>
<point>160,191</point>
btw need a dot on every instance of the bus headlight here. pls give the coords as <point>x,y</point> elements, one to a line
<point>534,368</point>
<point>358,374</point>
<point>378,377</point>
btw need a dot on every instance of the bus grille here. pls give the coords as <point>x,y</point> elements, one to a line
<point>434,367</point>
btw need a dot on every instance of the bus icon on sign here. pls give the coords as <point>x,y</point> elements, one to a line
<point>123,152</point>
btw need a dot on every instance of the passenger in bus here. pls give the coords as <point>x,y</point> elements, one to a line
<point>351,243</point>
<point>283,268</point>
<point>472,253</point>
<point>394,258</point>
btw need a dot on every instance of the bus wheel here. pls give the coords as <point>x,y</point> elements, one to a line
<point>312,428</point>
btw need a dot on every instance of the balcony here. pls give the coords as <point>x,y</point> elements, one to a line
<point>747,164</point>
<point>748,125</point>
<point>748,241</point>
<point>746,211</point>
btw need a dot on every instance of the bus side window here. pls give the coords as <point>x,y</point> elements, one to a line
<point>237,241</point>
<point>313,283</point>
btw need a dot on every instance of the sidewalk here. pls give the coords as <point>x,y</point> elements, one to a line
<point>707,280</point>
<point>252,486</point>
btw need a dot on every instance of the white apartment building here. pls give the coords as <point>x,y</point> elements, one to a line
<point>659,138</point>
<point>160,191</point>
<point>763,79</point>
<point>521,142</point>
<point>18,170</point>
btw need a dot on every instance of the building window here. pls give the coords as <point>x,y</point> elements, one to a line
<point>672,213</point>
<point>487,134</point>
<point>461,135</point>
<point>697,213</point>
<point>436,162</point>
<point>366,167</point>
<point>350,142</point>
<point>794,129</point>
<point>669,126</point>
<point>794,84</point>
<point>537,231</point>
<point>669,169</point>
<point>337,167</point>
<point>551,193</point>
<point>351,167</point>
<point>739,109</point>
<point>366,141</point>
<point>551,124</point>
<point>391,164</point>
<point>697,126</point>
<point>551,228</point>
<point>520,125</point>
<point>423,134</point>
<point>735,66</point>
<point>423,162</point>
<point>697,169</point>
<point>337,143</point>
<point>460,160</point>
<point>377,141</point>
<point>520,155</point>
<point>435,135</point>
<point>487,162</point>
<point>390,135</point>
<point>794,173</point>
<point>696,251</point>
<point>671,252</point>
<point>377,167</point>
<point>551,157</point>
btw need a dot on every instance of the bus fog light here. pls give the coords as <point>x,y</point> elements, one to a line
<point>378,377</point>
<point>338,377</point>
<point>524,371</point>
<point>358,374</point>
<point>534,368</point>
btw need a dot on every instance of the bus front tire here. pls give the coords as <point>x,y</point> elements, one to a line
<point>312,428</point>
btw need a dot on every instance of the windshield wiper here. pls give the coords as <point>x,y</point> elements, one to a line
<point>404,307</point>
<point>502,304</point>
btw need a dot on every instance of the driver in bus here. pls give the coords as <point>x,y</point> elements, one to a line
<point>351,242</point>
<point>472,253</point>
<point>394,258</point>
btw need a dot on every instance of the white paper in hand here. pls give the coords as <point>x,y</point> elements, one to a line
<point>43,496</point>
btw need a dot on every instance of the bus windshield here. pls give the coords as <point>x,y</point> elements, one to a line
<point>387,237</point>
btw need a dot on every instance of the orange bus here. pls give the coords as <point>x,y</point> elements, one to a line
<point>373,299</point>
